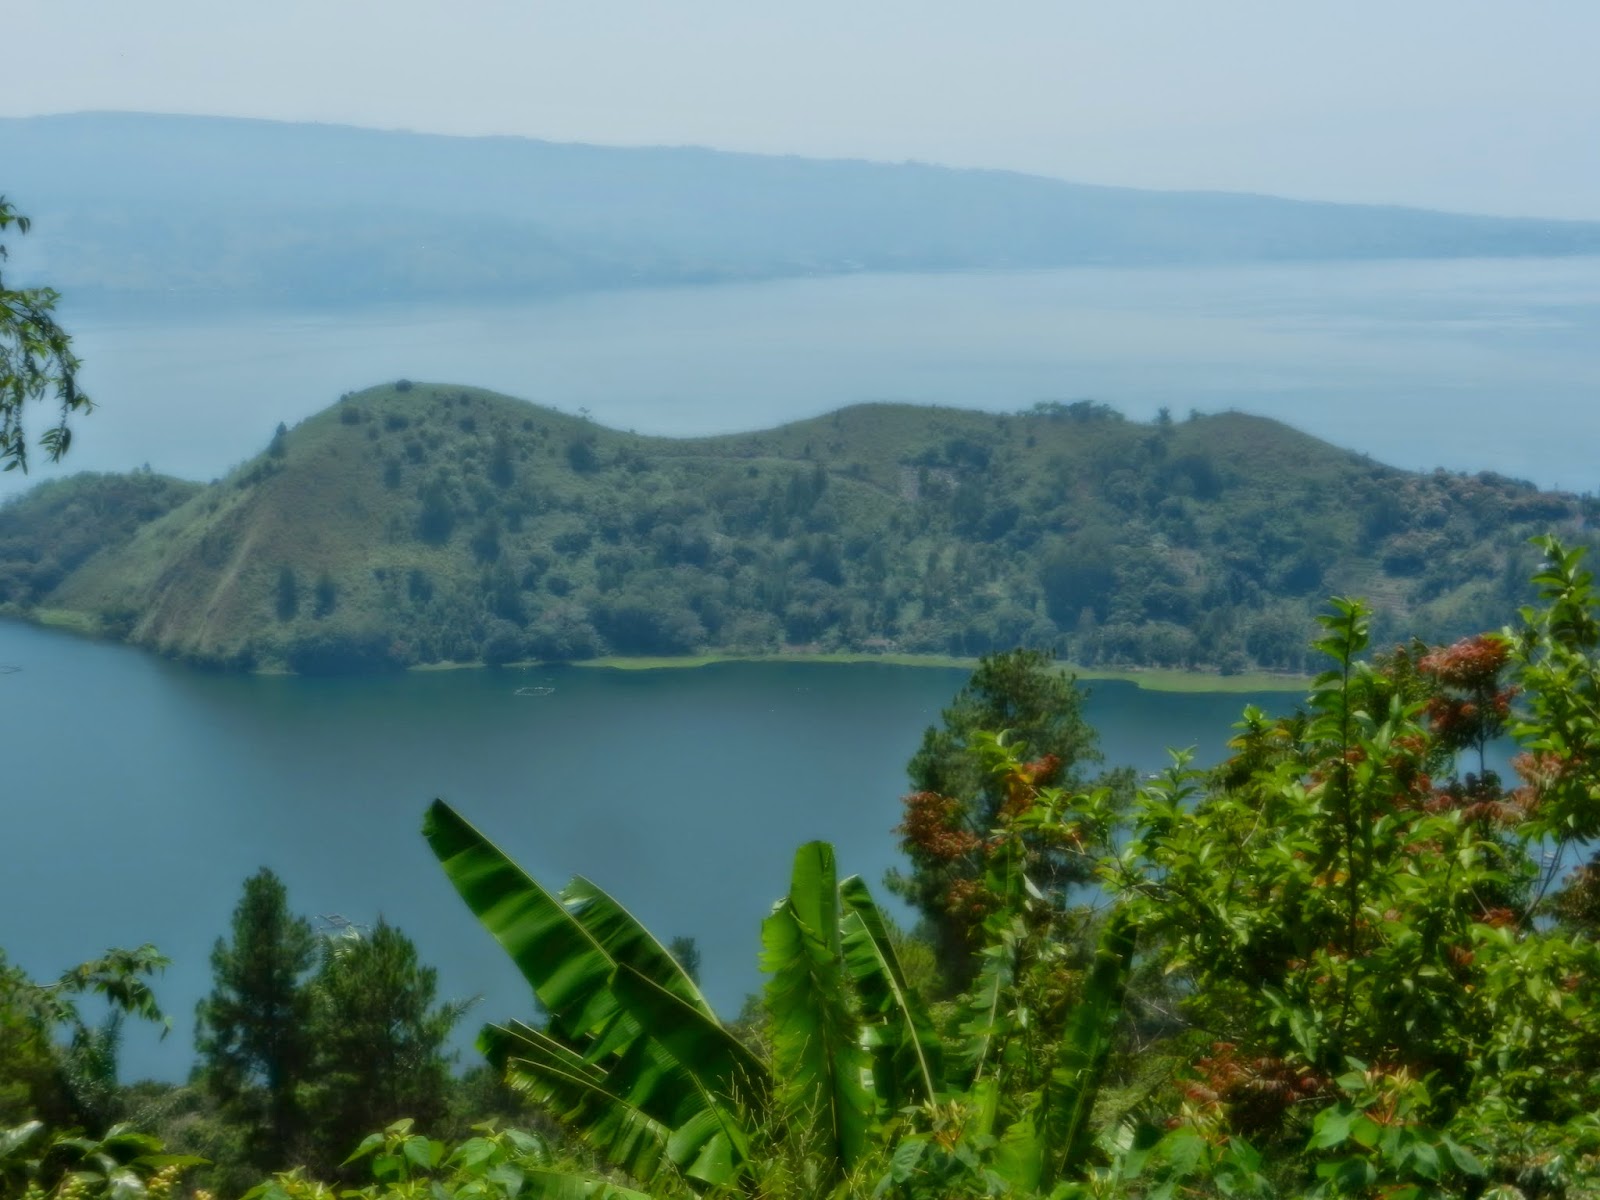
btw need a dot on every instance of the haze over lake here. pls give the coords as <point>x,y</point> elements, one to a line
<point>140,794</point>
<point>1464,364</point>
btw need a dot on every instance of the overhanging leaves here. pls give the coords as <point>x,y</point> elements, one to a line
<point>1086,1048</point>
<point>563,962</point>
<point>908,1057</point>
<point>816,1050</point>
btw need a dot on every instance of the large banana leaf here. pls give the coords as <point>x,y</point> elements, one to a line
<point>645,1078</point>
<point>702,1139</point>
<point>1019,1159</point>
<point>567,967</point>
<point>987,1024</point>
<point>824,1093</point>
<point>558,1185</point>
<point>709,1141</point>
<point>907,1055</point>
<point>635,1060</point>
<point>1085,1050</point>
<point>630,943</point>
<point>567,948</point>
<point>574,1093</point>
<point>717,1059</point>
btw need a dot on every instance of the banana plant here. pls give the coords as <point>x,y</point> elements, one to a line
<point>634,1060</point>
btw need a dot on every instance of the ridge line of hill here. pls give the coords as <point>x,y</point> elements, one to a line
<point>143,206</point>
<point>842,160</point>
<point>424,523</point>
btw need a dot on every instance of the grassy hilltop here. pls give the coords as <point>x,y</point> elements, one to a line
<point>416,524</point>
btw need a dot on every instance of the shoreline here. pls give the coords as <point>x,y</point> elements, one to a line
<point>1150,679</point>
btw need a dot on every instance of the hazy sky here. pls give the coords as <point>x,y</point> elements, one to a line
<point>1486,105</point>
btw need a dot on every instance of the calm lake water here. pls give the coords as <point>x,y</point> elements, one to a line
<point>1467,364</point>
<point>138,795</point>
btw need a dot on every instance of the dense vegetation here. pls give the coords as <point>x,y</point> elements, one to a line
<point>202,210</point>
<point>1350,961</point>
<point>420,524</point>
<point>311,1036</point>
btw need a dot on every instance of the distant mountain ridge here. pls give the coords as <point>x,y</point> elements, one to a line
<point>136,205</point>
<point>424,523</point>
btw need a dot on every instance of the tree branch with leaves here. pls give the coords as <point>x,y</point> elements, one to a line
<point>36,362</point>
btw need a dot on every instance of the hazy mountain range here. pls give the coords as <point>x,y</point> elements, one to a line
<point>134,206</point>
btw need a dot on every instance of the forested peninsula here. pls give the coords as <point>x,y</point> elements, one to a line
<point>418,523</point>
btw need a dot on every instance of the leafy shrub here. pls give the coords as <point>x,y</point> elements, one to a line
<point>121,1165</point>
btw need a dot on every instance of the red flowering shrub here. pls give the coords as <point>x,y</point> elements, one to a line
<point>932,828</point>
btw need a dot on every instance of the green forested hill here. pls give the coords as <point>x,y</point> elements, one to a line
<point>424,523</point>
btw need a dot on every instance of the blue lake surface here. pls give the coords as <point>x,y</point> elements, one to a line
<point>139,794</point>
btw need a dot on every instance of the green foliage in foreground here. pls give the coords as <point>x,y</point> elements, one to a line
<point>309,1040</point>
<point>492,1165</point>
<point>957,797</point>
<point>1382,985</point>
<point>634,1060</point>
<point>1377,971</point>
<point>253,1031</point>
<point>123,1164</point>
<point>418,524</point>
<point>56,1065</point>
<point>1351,961</point>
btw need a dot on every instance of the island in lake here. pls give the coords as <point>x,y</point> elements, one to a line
<point>418,523</point>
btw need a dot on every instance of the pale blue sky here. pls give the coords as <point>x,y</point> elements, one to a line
<point>1483,105</point>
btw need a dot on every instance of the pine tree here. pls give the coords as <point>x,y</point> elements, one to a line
<point>253,1031</point>
<point>378,1040</point>
<point>955,801</point>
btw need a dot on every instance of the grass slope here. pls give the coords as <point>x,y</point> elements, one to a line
<point>415,524</point>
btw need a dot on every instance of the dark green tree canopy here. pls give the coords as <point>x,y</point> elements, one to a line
<point>378,1039</point>
<point>958,793</point>
<point>309,1041</point>
<point>1022,693</point>
<point>253,1031</point>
